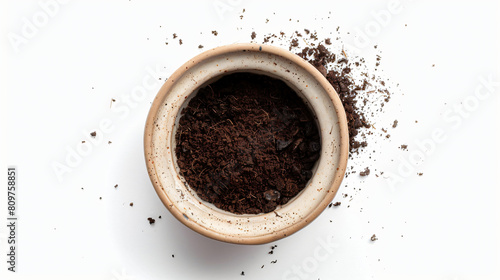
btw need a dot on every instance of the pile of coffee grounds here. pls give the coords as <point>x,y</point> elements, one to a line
<point>247,143</point>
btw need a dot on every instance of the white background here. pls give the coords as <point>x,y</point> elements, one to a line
<point>58,80</point>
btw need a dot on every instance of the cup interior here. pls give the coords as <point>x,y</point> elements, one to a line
<point>194,93</point>
<point>205,218</point>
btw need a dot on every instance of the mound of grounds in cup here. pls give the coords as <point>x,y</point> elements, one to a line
<point>247,143</point>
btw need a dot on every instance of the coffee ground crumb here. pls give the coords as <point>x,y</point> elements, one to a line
<point>366,172</point>
<point>404,147</point>
<point>272,249</point>
<point>151,220</point>
<point>253,35</point>
<point>131,204</point>
<point>337,203</point>
<point>93,134</point>
<point>374,238</point>
<point>215,33</point>
<point>395,124</point>
<point>200,47</point>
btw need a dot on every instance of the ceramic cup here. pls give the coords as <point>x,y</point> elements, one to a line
<point>204,217</point>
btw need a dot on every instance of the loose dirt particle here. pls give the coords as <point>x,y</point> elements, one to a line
<point>151,220</point>
<point>366,172</point>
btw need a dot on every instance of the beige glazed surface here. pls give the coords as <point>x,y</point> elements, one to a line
<point>205,218</point>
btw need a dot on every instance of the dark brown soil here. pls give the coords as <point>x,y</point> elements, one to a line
<point>247,143</point>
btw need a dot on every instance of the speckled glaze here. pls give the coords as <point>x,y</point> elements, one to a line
<point>205,218</point>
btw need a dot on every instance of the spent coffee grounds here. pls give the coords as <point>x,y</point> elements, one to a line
<point>247,143</point>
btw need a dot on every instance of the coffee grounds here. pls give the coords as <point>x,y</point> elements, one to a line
<point>247,143</point>
<point>320,57</point>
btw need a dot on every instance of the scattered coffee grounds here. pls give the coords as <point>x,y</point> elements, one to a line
<point>253,35</point>
<point>320,57</point>
<point>404,147</point>
<point>200,47</point>
<point>242,273</point>
<point>373,238</point>
<point>247,143</point>
<point>174,35</point>
<point>93,134</point>
<point>131,204</point>
<point>420,174</point>
<point>337,203</point>
<point>116,186</point>
<point>151,220</point>
<point>215,33</point>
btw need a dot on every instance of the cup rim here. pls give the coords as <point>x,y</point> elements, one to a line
<point>251,47</point>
